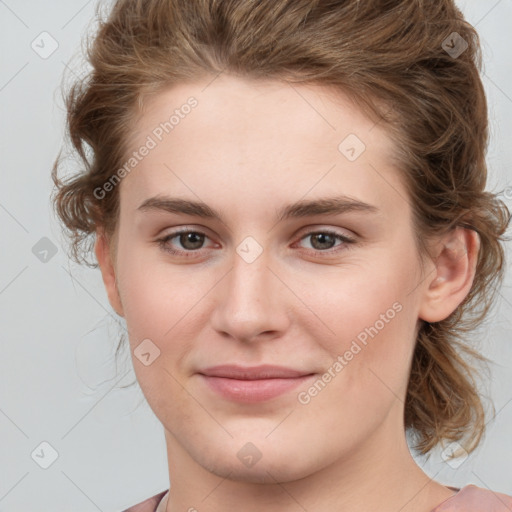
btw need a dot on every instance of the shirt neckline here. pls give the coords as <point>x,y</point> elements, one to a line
<point>458,493</point>
<point>163,502</point>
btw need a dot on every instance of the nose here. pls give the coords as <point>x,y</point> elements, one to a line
<point>251,302</point>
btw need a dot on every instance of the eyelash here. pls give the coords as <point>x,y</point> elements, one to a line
<point>163,242</point>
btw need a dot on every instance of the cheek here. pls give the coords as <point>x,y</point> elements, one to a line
<point>368,369</point>
<point>162,304</point>
<point>155,296</point>
<point>158,306</point>
<point>371,317</point>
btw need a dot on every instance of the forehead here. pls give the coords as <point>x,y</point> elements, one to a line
<point>232,134</point>
<point>257,110</point>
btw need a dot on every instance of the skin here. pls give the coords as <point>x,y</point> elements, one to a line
<point>247,150</point>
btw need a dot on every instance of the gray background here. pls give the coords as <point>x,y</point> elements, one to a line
<point>58,381</point>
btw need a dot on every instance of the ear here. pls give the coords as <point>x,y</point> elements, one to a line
<point>108,272</point>
<point>453,275</point>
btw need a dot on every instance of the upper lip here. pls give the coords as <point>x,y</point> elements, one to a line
<point>264,371</point>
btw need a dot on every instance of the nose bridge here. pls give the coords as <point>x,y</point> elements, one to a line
<point>250,302</point>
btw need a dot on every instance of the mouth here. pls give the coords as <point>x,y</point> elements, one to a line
<point>253,384</point>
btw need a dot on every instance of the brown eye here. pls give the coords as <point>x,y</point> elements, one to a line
<point>323,241</point>
<point>188,242</point>
<point>191,240</point>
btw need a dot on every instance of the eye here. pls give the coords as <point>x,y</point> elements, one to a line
<point>322,241</point>
<point>191,241</point>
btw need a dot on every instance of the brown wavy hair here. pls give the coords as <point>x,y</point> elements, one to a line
<point>392,58</point>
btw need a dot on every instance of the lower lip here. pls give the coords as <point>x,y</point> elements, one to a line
<point>251,391</point>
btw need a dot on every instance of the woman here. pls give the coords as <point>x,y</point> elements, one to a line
<point>287,202</point>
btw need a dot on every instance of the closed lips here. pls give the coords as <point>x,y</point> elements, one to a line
<point>253,373</point>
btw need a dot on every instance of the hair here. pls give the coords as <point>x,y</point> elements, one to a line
<point>389,57</point>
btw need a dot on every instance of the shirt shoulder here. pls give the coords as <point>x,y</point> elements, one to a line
<point>149,505</point>
<point>472,498</point>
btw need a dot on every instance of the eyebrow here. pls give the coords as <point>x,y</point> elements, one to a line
<point>304,208</point>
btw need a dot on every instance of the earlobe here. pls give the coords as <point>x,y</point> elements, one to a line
<point>453,275</point>
<point>108,272</point>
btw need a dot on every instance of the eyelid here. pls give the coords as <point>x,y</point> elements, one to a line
<point>318,228</point>
<point>346,240</point>
<point>165,238</point>
<point>308,230</point>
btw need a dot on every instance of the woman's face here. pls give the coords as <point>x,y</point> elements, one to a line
<point>301,256</point>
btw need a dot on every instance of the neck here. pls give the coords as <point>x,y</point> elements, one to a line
<point>380,475</point>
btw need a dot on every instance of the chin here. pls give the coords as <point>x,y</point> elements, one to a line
<point>272,467</point>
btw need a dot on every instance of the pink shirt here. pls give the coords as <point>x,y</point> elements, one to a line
<point>468,499</point>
